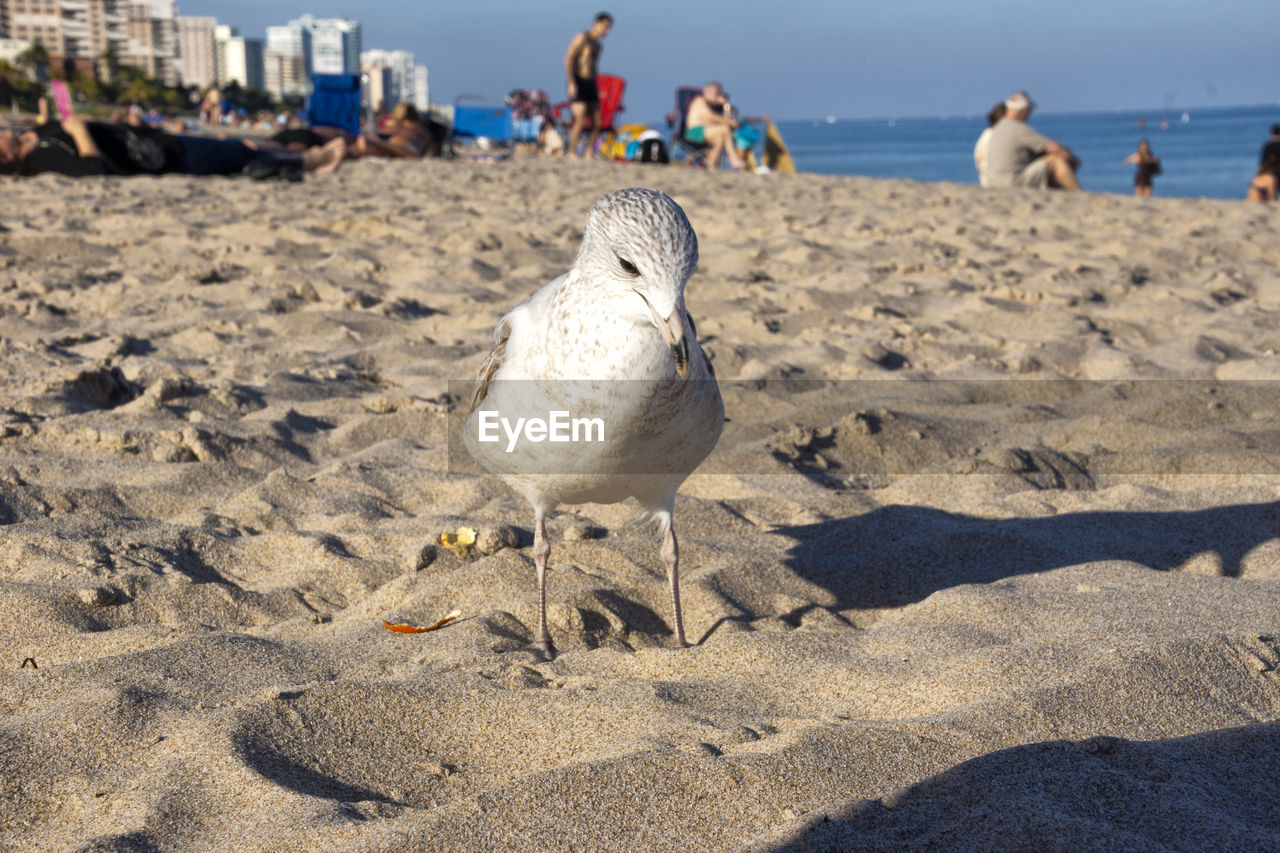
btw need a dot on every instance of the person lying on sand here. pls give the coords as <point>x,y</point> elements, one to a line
<point>78,148</point>
<point>410,137</point>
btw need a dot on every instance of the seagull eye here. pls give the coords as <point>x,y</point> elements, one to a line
<point>628,267</point>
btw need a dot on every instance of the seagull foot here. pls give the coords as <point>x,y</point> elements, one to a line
<point>543,649</point>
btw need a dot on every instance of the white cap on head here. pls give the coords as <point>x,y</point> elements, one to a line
<point>1019,101</point>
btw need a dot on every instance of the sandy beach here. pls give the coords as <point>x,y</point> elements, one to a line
<point>987,558</point>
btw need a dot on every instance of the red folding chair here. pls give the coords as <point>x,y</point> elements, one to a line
<point>610,88</point>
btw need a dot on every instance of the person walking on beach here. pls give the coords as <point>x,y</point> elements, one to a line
<point>581,63</point>
<point>1148,167</point>
<point>1018,156</point>
<point>1264,184</point>
<point>1271,148</point>
<point>984,141</point>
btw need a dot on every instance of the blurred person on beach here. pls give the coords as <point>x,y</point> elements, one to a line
<point>409,137</point>
<point>710,120</point>
<point>1148,167</point>
<point>1272,147</point>
<point>984,141</point>
<point>745,136</point>
<point>211,107</point>
<point>531,110</point>
<point>581,64</point>
<point>1018,156</point>
<point>77,148</point>
<point>1264,184</point>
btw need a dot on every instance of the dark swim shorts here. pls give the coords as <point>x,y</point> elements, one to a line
<point>586,89</point>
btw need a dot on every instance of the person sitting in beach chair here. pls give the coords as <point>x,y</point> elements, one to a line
<point>693,151</point>
<point>709,121</point>
<point>1018,156</point>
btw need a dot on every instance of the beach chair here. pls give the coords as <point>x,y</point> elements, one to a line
<point>694,152</point>
<point>482,128</point>
<point>334,102</point>
<point>611,89</point>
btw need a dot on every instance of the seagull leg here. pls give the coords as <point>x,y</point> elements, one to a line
<point>671,556</point>
<point>541,551</point>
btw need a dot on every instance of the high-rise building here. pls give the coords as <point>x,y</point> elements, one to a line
<point>283,74</point>
<point>421,94</point>
<point>197,51</point>
<point>153,39</point>
<point>334,44</point>
<point>398,67</point>
<point>74,32</point>
<point>11,49</point>
<point>78,34</point>
<point>376,94</point>
<point>33,21</point>
<point>239,58</point>
<point>285,61</point>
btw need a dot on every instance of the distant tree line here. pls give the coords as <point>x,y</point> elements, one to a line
<point>26,81</point>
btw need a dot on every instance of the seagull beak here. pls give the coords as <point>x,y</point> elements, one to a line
<point>673,332</point>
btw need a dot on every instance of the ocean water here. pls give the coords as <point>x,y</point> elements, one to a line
<point>1205,152</point>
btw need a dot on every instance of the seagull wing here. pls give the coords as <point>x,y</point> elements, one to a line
<point>519,321</point>
<point>494,360</point>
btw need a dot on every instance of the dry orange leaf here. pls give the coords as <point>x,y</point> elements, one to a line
<point>417,629</point>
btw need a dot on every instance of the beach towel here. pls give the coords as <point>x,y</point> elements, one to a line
<point>62,98</point>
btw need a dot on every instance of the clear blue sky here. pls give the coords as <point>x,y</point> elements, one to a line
<point>812,58</point>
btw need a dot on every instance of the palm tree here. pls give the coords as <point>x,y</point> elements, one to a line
<point>111,60</point>
<point>17,85</point>
<point>36,59</point>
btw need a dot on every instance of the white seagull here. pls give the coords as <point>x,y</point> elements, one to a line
<point>610,348</point>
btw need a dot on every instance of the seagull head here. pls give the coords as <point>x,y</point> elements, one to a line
<point>639,243</point>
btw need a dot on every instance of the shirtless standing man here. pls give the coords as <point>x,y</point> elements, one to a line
<point>707,122</point>
<point>580,64</point>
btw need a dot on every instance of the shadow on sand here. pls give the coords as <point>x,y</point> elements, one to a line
<point>898,555</point>
<point>1211,791</point>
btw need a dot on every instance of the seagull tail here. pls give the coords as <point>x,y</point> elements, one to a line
<point>654,519</point>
